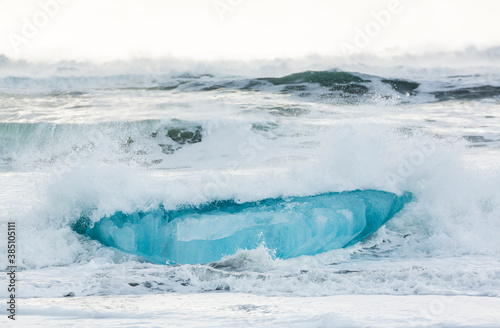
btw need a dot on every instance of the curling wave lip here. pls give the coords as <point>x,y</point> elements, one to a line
<point>290,227</point>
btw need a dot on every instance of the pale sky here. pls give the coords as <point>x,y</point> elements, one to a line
<point>100,30</point>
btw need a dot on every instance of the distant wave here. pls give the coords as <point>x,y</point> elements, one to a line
<point>47,143</point>
<point>330,86</point>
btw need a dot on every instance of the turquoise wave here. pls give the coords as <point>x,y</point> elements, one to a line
<point>290,227</point>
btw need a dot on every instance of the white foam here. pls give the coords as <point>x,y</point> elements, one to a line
<point>332,148</point>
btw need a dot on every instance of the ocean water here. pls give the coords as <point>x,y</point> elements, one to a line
<point>78,143</point>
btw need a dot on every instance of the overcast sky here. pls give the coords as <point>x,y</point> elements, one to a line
<point>100,30</point>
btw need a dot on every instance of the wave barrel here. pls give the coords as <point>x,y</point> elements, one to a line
<point>291,227</point>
